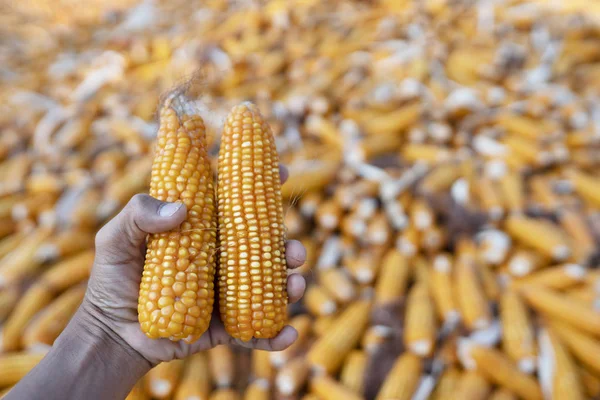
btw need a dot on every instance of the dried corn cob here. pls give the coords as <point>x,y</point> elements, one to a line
<point>551,303</point>
<point>564,376</point>
<point>318,301</point>
<point>393,278</point>
<point>468,290</point>
<point>541,235</point>
<point>518,339</point>
<point>446,384</point>
<point>64,244</point>
<point>322,324</point>
<point>195,381</point>
<point>499,369</point>
<point>176,292</point>
<point>472,385</point>
<point>222,366</point>
<point>353,372</point>
<point>586,185</point>
<point>292,376</point>
<point>252,276</point>
<point>403,379</point>
<point>46,327</point>
<point>261,365</point>
<point>162,380</point>
<point>440,286</point>
<point>337,283</point>
<point>328,352</point>
<point>328,389</point>
<point>8,300</point>
<point>557,278</point>
<point>15,366</point>
<point>581,345</point>
<point>21,261</point>
<point>420,322</point>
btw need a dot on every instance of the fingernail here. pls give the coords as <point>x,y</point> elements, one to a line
<point>168,209</point>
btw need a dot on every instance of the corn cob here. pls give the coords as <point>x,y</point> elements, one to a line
<point>565,381</point>
<point>440,286</point>
<point>68,272</point>
<point>328,389</point>
<point>518,339</point>
<point>590,382</point>
<point>563,308</point>
<point>393,278</point>
<point>302,324</point>
<point>472,301</point>
<point>261,365</point>
<point>176,292</point>
<point>353,372</point>
<point>403,379</point>
<point>322,324</point>
<point>328,215</point>
<point>577,229</point>
<point>337,283</point>
<point>541,235</point>
<point>523,262</point>
<point>328,352</point>
<point>252,276</point>
<point>503,394</point>
<point>587,186</point>
<point>162,380</point>
<point>46,327</point>
<point>195,382</point>
<point>440,178</point>
<point>318,301</point>
<point>581,345</point>
<point>557,278</point>
<point>21,261</point>
<point>33,206</point>
<point>310,177</point>
<point>15,366</point>
<point>446,384</point>
<point>292,376</point>
<point>513,192</point>
<point>224,394</point>
<point>257,390</point>
<point>499,369</point>
<point>420,323</point>
<point>8,300</point>
<point>64,244</point>
<point>221,361</point>
<point>138,392</point>
<point>408,242</point>
<point>471,385</point>
<point>10,243</point>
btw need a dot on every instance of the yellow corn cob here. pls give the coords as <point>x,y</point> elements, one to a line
<point>15,366</point>
<point>138,392</point>
<point>393,278</point>
<point>14,171</point>
<point>541,235</point>
<point>10,243</point>
<point>409,241</point>
<point>502,394</point>
<point>518,339</point>
<point>489,197</point>
<point>582,346</point>
<point>337,284</point>
<point>489,282</point>
<point>310,177</point>
<point>440,285</point>
<point>257,390</point>
<point>328,215</point>
<point>21,261</point>
<point>326,388</point>
<point>195,382</point>
<point>221,361</point>
<point>33,206</point>
<point>353,372</point>
<point>302,324</point>
<point>322,324</point>
<point>162,380</point>
<point>68,272</point>
<point>8,300</point>
<point>402,380</point>
<point>446,384</point>
<point>224,394</point>
<point>471,385</point>
<point>421,215</point>
<point>176,292</point>
<point>261,365</point>
<point>499,369</point>
<point>292,376</point>
<point>576,228</point>
<point>471,298</point>
<point>563,308</point>
<point>513,192</point>
<point>434,239</point>
<point>364,266</point>
<point>542,192</point>
<point>318,301</point>
<point>83,214</point>
<point>440,178</point>
<point>566,383</point>
<point>558,278</point>
<point>590,382</point>
<point>395,121</point>
<point>378,230</point>
<point>46,327</point>
<point>65,244</point>
<point>524,262</point>
<point>526,127</point>
<point>428,153</point>
<point>374,336</point>
<point>586,185</point>
<point>586,294</point>
<point>252,276</point>
<point>420,323</point>
<point>328,352</point>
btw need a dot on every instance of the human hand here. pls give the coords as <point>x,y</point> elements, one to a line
<point>111,300</point>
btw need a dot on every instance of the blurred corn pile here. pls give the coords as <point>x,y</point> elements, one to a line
<point>444,178</point>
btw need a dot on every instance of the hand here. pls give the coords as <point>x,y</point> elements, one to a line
<point>111,300</point>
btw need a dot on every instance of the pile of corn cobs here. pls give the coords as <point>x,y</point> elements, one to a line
<point>444,178</point>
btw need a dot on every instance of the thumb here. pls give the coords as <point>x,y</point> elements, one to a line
<point>124,235</point>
